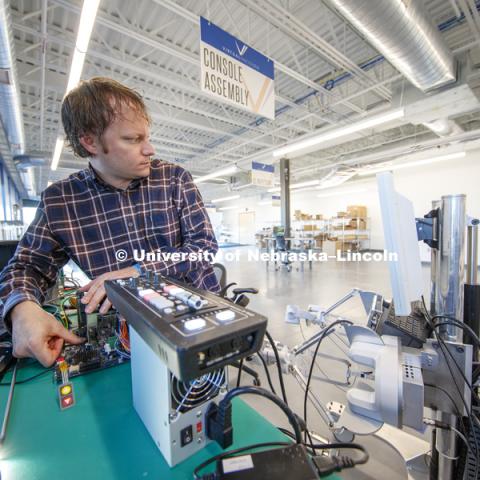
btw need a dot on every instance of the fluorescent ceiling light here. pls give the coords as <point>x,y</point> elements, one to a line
<point>399,166</point>
<point>244,186</point>
<point>228,208</point>
<point>309,183</point>
<point>225,199</point>
<point>304,189</point>
<point>87,20</point>
<point>85,27</point>
<point>337,179</point>
<point>344,192</point>
<point>57,152</point>
<point>219,173</point>
<point>340,132</point>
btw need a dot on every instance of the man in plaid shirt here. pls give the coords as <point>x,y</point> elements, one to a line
<point>105,218</point>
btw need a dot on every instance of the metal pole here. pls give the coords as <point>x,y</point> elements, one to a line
<point>285,197</point>
<point>448,300</point>
<point>471,311</point>
<point>472,253</point>
<point>451,273</point>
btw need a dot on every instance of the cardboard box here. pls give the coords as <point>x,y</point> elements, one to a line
<point>309,228</point>
<point>342,214</point>
<point>346,246</point>
<point>318,216</point>
<point>358,223</point>
<point>357,211</point>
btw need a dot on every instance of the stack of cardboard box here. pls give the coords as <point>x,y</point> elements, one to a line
<point>347,236</point>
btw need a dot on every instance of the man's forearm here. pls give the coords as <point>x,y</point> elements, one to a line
<point>16,298</point>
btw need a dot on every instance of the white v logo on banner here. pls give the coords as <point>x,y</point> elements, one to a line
<point>241,51</point>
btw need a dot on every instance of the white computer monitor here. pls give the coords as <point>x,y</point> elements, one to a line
<point>400,235</point>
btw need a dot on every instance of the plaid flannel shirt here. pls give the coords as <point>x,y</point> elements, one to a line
<point>89,221</point>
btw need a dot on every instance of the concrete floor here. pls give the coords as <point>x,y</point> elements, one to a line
<point>323,285</point>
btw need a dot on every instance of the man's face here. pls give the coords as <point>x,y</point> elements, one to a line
<point>124,150</point>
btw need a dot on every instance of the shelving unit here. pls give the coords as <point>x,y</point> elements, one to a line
<point>350,233</point>
<point>310,229</point>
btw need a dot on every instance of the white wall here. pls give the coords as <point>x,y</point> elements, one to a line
<point>420,184</point>
<point>265,215</point>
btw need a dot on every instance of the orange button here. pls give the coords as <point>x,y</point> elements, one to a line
<point>199,427</point>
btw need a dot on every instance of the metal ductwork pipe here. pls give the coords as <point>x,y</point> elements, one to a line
<point>403,33</point>
<point>9,100</point>
<point>25,161</point>
<point>27,178</point>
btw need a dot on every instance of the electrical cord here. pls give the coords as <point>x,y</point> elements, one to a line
<point>324,464</point>
<point>457,411</point>
<point>329,379</point>
<point>307,388</point>
<point>26,380</point>
<point>339,445</point>
<point>445,426</point>
<point>288,433</point>
<point>444,348</point>
<point>264,393</point>
<point>279,366</point>
<point>457,323</point>
<point>267,373</point>
<point>239,376</point>
<point>467,382</point>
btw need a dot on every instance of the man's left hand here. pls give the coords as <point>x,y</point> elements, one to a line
<point>96,289</point>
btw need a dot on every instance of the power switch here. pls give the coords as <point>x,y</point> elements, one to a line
<point>186,436</point>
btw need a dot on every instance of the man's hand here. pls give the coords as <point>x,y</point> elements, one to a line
<point>96,289</point>
<point>37,334</point>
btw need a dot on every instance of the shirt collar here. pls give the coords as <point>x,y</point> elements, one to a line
<point>95,178</point>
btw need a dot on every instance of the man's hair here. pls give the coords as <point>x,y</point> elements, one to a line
<point>92,106</point>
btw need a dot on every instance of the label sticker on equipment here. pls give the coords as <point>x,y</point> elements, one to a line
<point>236,464</point>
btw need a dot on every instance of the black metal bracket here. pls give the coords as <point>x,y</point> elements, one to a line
<point>425,228</point>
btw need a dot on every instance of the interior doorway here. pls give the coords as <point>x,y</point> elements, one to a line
<point>246,228</point>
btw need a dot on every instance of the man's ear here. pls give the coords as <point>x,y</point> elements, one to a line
<point>89,143</point>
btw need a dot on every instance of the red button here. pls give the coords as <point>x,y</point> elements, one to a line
<point>199,427</point>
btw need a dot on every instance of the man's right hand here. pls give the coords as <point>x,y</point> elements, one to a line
<point>38,334</point>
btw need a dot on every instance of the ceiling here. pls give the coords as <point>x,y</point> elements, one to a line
<point>153,46</point>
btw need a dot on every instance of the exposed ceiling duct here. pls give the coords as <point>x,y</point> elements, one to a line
<point>10,111</point>
<point>402,31</point>
<point>31,160</point>
<point>11,117</point>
